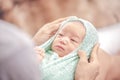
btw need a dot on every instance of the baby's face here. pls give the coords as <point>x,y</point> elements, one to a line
<point>69,38</point>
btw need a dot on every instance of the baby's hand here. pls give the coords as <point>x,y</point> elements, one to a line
<point>40,53</point>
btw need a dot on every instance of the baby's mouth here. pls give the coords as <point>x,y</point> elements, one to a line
<point>60,47</point>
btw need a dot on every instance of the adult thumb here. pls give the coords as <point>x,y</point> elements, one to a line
<point>94,53</point>
<point>83,56</point>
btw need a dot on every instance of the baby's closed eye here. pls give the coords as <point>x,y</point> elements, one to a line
<point>74,40</point>
<point>60,34</point>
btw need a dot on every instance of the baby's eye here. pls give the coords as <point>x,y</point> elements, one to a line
<point>60,34</point>
<point>74,40</point>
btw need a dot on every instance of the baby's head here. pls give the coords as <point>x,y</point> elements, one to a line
<point>73,34</point>
<point>69,38</point>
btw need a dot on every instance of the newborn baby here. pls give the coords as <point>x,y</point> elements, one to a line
<point>61,57</point>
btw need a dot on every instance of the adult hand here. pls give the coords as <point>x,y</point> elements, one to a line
<point>40,53</point>
<point>87,70</point>
<point>47,31</point>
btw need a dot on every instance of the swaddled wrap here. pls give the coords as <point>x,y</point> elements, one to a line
<point>55,68</point>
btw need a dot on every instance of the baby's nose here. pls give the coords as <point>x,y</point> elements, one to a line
<point>64,40</point>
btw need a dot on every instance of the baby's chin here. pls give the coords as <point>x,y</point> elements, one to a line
<point>60,51</point>
<point>61,54</point>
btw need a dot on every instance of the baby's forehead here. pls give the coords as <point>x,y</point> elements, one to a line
<point>75,25</point>
<point>74,28</point>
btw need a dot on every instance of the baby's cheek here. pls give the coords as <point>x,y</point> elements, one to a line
<point>69,50</point>
<point>73,47</point>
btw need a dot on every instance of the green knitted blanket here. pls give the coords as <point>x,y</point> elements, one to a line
<point>55,68</point>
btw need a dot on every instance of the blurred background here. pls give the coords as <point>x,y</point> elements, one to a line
<point>30,15</point>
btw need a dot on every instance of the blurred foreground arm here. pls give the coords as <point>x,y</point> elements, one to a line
<point>17,57</point>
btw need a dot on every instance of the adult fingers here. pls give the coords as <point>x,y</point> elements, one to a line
<point>83,57</point>
<point>54,26</point>
<point>93,56</point>
<point>59,20</point>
